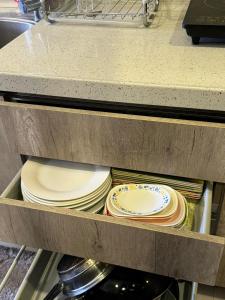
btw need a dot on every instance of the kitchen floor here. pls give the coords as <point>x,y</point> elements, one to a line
<point>7,255</point>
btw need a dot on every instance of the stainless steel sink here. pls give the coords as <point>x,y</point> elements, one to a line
<point>11,28</point>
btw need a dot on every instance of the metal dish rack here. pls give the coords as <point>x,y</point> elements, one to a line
<point>125,11</point>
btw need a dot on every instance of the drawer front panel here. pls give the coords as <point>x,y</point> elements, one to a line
<point>184,255</point>
<point>181,254</point>
<point>167,146</point>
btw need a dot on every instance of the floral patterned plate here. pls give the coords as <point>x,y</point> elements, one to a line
<point>139,199</point>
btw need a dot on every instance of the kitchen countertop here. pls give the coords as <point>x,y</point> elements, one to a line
<point>155,66</point>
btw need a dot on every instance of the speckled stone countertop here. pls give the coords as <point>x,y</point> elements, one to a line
<point>156,65</point>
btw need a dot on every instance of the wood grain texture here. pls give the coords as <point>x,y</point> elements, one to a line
<point>218,193</point>
<point>205,292</point>
<point>221,272</point>
<point>10,161</point>
<point>210,293</point>
<point>219,293</point>
<point>168,146</point>
<point>221,223</point>
<point>184,255</point>
<point>219,209</point>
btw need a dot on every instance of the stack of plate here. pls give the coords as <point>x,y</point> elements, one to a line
<point>155,204</point>
<point>190,188</point>
<point>65,184</point>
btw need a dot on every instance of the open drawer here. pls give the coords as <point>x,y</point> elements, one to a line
<point>181,254</point>
<point>42,275</point>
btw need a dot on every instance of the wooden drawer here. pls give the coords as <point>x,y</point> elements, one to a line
<point>210,293</point>
<point>181,254</point>
<point>177,147</point>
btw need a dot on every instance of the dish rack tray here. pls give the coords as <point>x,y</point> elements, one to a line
<point>125,11</point>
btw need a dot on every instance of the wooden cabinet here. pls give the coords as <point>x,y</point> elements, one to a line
<point>210,293</point>
<point>10,161</point>
<point>169,146</point>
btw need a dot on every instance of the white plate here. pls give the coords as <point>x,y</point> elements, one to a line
<point>83,206</point>
<point>140,199</point>
<point>168,211</point>
<point>90,196</point>
<point>73,202</point>
<point>97,207</point>
<point>62,180</point>
<point>93,209</point>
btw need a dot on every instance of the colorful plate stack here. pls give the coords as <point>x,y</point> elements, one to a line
<point>65,184</point>
<point>190,188</point>
<point>155,204</point>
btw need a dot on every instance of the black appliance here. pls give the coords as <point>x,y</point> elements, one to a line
<point>205,19</point>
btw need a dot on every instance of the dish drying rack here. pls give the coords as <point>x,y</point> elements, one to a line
<point>125,11</point>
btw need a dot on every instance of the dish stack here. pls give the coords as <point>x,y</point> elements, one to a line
<point>151,203</point>
<point>65,184</point>
<point>192,189</point>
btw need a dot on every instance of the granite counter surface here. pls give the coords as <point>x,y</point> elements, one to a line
<point>156,65</point>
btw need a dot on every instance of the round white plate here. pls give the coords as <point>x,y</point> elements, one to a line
<point>62,180</point>
<point>168,211</point>
<point>140,199</point>
<point>90,196</point>
<point>82,206</point>
<point>73,202</point>
<point>97,207</point>
<point>93,209</point>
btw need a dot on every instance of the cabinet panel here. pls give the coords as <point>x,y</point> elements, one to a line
<point>10,161</point>
<point>218,213</point>
<point>168,146</point>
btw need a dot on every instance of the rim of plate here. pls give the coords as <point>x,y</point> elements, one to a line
<point>79,201</point>
<point>174,202</point>
<point>148,187</point>
<point>180,218</point>
<point>93,209</point>
<point>29,178</point>
<point>72,206</point>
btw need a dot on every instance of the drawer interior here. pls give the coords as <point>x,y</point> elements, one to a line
<point>42,275</point>
<point>201,209</point>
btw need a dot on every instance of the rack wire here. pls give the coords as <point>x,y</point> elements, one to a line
<point>101,10</point>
